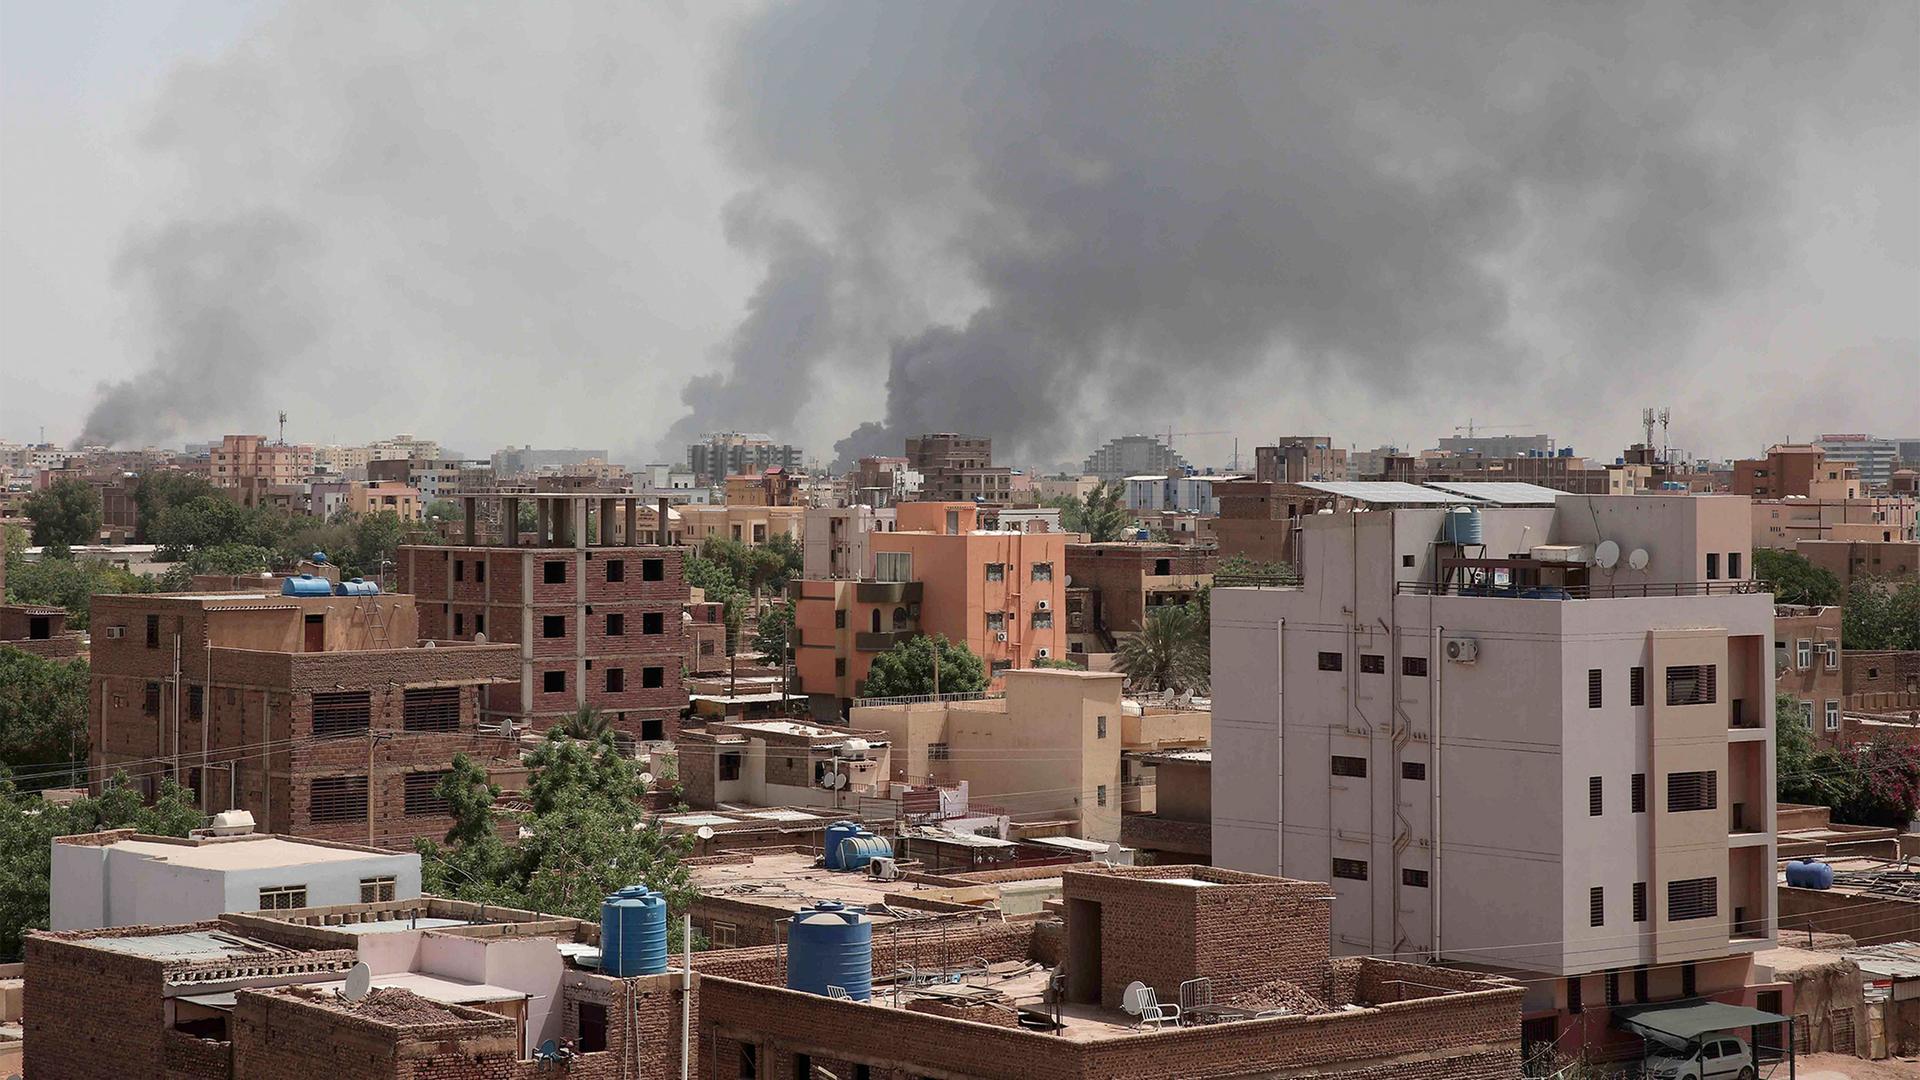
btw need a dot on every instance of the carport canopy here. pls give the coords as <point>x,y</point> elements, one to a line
<point>1682,1022</point>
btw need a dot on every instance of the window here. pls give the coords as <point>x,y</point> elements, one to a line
<point>1833,654</point>
<point>283,897</point>
<point>1640,913</point>
<point>616,624</point>
<point>479,622</point>
<point>1689,976</point>
<point>1413,770</point>
<point>1373,664</point>
<point>653,569</point>
<point>1349,766</point>
<point>652,730</point>
<point>1415,878</point>
<point>1833,715</point>
<point>553,682</point>
<point>333,799</point>
<point>431,708</point>
<point>730,766</point>
<point>723,935</point>
<point>1806,715</point>
<point>150,704</point>
<point>653,677</point>
<point>1351,869</point>
<point>153,631</point>
<point>1639,793</point>
<point>749,1062</point>
<point>937,751</point>
<point>996,571</point>
<point>1329,661</point>
<point>1693,898</point>
<point>840,619</point>
<point>1713,566</point>
<point>197,702</point>
<point>1099,727</point>
<point>1637,686</point>
<point>1414,666</point>
<point>1613,988</point>
<point>555,572</point>
<point>1406,561</point>
<point>1803,654</point>
<point>459,626</point>
<point>616,569</point>
<point>479,571</point>
<point>341,712</point>
<point>1593,688</point>
<point>375,890</point>
<point>1593,796</point>
<point>1640,981</point>
<point>422,794</point>
<point>1000,667</point>
<point>616,680</point>
<point>1597,906</point>
<point>1733,565</point>
<point>996,621</point>
<point>1691,791</point>
<point>593,1027</point>
<point>1100,795</point>
<point>839,666</point>
<point>459,570</point>
<point>1573,994</point>
<point>1043,620</point>
<point>893,566</point>
<point>552,626</point>
<point>1043,571</point>
<point>653,622</point>
<point>1692,684</point>
<point>802,1067</point>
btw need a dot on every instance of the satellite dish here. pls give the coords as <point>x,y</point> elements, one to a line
<point>359,982</point>
<point>1637,558</point>
<point>1607,555</point>
<point>646,778</point>
<point>839,780</point>
<point>704,832</point>
<point>1134,998</point>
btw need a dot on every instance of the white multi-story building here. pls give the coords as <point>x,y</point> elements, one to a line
<point>1876,457</point>
<point>403,448</point>
<point>1544,749</point>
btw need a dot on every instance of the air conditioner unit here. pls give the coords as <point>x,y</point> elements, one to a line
<point>999,635</point>
<point>1041,654</point>
<point>884,868</point>
<point>115,633</point>
<point>1042,605</point>
<point>1462,650</point>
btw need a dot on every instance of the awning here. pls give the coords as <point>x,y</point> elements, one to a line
<point>1682,1022</point>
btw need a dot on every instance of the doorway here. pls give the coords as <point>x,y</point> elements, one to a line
<point>316,633</point>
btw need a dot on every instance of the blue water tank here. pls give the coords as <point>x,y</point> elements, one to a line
<point>357,587</point>
<point>1566,451</point>
<point>306,585</point>
<point>857,851</point>
<point>830,944</point>
<point>319,557</point>
<point>836,832</point>
<point>1462,525</point>
<point>1811,874</point>
<point>1143,534</point>
<point>633,933</point>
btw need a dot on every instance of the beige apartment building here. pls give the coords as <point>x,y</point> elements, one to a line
<point>751,525</point>
<point>251,467</point>
<point>1531,738</point>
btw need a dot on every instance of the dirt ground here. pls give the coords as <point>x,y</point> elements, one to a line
<point>1841,1067</point>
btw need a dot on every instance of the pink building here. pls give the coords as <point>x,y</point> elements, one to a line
<point>1535,739</point>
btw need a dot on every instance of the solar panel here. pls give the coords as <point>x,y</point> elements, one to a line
<point>1386,492</point>
<point>1501,492</point>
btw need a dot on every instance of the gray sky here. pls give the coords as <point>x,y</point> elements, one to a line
<point>538,223</point>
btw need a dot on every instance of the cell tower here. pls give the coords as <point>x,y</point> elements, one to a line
<point>283,427</point>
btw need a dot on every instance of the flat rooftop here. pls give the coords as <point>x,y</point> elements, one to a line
<point>245,852</point>
<point>188,946</point>
<point>790,880</point>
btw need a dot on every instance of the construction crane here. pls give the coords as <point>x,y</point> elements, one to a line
<point>1172,434</point>
<point>1470,428</point>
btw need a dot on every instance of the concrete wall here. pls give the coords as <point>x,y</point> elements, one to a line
<point>99,886</point>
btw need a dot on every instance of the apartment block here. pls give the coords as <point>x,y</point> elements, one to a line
<point>1130,455</point>
<point>1000,593</point>
<point>1873,557</point>
<point>1126,581</point>
<point>323,715</point>
<point>1876,457</point>
<point>251,467</point>
<point>834,542</point>
<point>1293,458</point>
<point>1807,667</point>
<point>752,525</point>
<point>1534,738</point>
<point>595,616</point>
<point>958,468</point>
<point>721,454</point>
<point>882,481</point>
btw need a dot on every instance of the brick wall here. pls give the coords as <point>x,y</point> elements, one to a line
<point>118,995</point>
<point>1869,920</point>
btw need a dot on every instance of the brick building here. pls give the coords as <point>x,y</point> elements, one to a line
<point>1258,519</point>
<point>1874,558</point>
<point>1806,663</point>
<point>1126,581</point>
<point>595,617</point>
<point>255,471</point>
<point>958,468</point>
<point>37,629</point>
<point>1883,680</point>
<point>781,763</point>
<point>1294,458</point>
<point>281,705</point>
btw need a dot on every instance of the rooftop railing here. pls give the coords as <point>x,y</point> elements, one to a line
<point>1602,591</point>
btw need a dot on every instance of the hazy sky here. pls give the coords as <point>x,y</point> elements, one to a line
<point>595,224</point>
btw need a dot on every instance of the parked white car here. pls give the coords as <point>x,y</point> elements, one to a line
<point>1723,1058</point>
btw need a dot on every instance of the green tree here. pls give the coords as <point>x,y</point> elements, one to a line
<point>73,583</point>
<point>1793,753</point>
<point>155,491</point>
<point>1793,579</point>
<point>445,510</point>
<point>907,669</point>
<point>1244,570</point>
<point>65,515</point>
<point>1881,615</point>
<point>229,559</point>
<point>1056,662</point>
<point>1169,653</point>
<point>719,586</point>
<point>28,825</point>
<point>1102,515</point>
<point>43,711</point>
<point>587,723</point>
<point>771,635</point>
<point>790,563</point>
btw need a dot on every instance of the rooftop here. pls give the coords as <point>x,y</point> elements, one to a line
<point>187,946</point>
<point>246,852</point>
<point>791,880</point>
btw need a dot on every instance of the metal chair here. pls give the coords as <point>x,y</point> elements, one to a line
<point>1194,994</point>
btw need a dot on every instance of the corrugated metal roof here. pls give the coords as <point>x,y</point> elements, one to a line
<point>1500,492</point>
<point>1386,492</point>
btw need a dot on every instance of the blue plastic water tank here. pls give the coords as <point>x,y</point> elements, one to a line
<point>836,832</point>
<point>1461,526</point>
<point>1811,874</point>
<point>306,585</point>
<point>830,944</point>
<point>357,587</point>
<point>318,557</point>
<point>857,851</point>
<point>633,933</point>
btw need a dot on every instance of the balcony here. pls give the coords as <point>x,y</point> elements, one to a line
<point>887,592</point>
<point>881,642</point>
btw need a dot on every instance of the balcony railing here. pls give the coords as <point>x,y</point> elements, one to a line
<point>1602,591</point>
<point>887,592</point>
<point>881,642</point>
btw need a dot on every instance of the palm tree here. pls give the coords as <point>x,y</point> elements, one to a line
<point>1169,653</point>
<point>587,724</point>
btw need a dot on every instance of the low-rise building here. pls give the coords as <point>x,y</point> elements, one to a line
<point>1169,805</point>
<point>39,629</point>
<point>1126,581</point>
<point>1874,558</point>
<point>749,524</point>
<point>783,763</point>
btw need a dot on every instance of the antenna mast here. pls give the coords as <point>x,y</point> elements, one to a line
<point>283,427</point>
